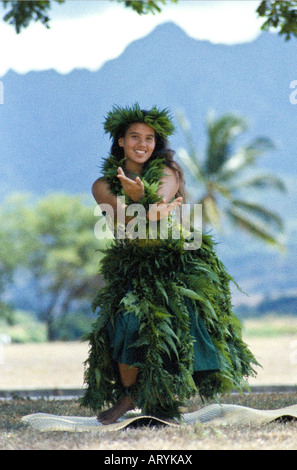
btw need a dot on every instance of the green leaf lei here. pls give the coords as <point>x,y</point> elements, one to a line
<point>159,120</point>
<point>152,172</point>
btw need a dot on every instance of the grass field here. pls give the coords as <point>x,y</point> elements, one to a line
<point>60,365</point>
<point>273,436</point>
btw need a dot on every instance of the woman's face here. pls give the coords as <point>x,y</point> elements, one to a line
<point>138,143</point>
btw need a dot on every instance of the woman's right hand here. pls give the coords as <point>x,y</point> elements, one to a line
<point>134,189</point>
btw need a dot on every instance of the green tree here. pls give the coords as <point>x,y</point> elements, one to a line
<point>225,176</point>
<point>281,15</point>
<point>12,255</point>
<point>56,236</point>
<point>22,13</point>
<point>143,7</point>
<point>7,267</point>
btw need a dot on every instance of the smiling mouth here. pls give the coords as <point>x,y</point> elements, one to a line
<point>140,152</point>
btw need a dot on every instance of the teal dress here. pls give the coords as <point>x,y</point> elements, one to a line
<point>124,333</point>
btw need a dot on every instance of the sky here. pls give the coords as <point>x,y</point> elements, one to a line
<point>86,34</point>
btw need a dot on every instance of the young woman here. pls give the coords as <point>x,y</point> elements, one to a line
<point>165,329</point>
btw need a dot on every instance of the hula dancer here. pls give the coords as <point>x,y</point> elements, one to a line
<point>165,329</point>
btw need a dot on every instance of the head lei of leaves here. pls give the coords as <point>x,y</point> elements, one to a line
<point>119,118</point>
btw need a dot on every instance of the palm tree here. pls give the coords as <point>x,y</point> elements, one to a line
<point>225,174</point>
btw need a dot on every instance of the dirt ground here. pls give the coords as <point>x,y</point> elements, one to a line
<point>60,364</point>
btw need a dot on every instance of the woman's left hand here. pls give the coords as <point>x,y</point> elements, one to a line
<point>134,189</point>
<point>161,209</point>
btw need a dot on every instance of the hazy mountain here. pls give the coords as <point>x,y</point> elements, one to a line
<point>51,135</point>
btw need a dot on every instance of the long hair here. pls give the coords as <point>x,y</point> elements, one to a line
<point>161,150</point>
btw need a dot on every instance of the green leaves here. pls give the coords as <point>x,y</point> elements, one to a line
<point>243,159</point>
<point>281,15</point>
<point>252,227</point>
<point>266,216</point>
<point>23,12</point>
<point>143,7</point>
<point>221,135</point>
<point>157,297</point>
<point>261,181</point>
<point>118,118</point>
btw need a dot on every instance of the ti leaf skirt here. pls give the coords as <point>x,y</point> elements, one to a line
<point>168,312</point>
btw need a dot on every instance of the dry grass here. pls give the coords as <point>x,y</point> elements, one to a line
<point>274,436</point>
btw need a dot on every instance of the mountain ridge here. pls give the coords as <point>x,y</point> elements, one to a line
<point>67,110</point>
<point>52,135</point>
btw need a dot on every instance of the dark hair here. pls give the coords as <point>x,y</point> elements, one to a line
<point>161,150</point>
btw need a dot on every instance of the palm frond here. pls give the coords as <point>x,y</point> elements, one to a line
<point>253,228</point>
<point>221,134</point>
<point>260,182</point>
<point>244,157</point>
<point>261,145</point>
<point>265,215</point>
<point>223,189</point>
<point>210,211</point>
<point>191,163</point>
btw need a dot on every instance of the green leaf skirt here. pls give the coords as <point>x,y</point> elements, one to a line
<point>167,311</point>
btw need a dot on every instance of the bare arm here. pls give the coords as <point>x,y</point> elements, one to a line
<point>168,188</point>
<point>103,195</point>
<point>169,184</point>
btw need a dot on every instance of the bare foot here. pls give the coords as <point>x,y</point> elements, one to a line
<point>114,413</point>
